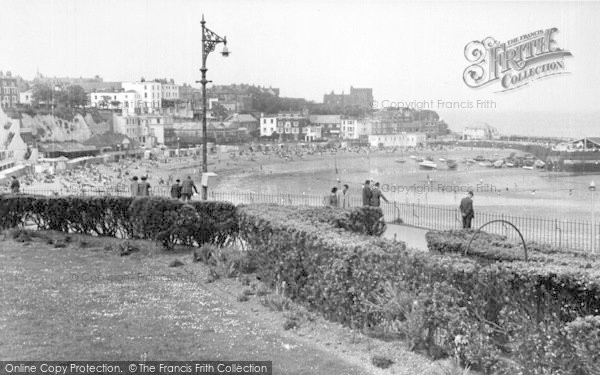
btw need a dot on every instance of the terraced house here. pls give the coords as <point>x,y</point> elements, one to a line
<point>9,90</point>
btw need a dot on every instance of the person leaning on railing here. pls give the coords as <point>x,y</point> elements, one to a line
<point>377,195</point>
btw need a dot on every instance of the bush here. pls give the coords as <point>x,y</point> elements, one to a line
<point>362,220</point>
<point>493,316</point>
<point>165,220</point>
<point>585,334</point>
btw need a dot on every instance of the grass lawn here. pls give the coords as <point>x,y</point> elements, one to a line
<point>86,302</point>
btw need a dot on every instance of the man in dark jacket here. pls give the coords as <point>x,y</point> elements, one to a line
<point>15,186</point>
<point>134,187</point>
<point>466,209</point>
<point>188,188</point>
<point>377,196</point>
<point>367,193</point>
<point>144,188</point>
<point>176,190</point>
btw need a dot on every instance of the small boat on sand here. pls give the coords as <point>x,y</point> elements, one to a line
<point>427,164</point>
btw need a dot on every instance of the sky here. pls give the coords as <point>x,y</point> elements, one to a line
<point>406,51</point>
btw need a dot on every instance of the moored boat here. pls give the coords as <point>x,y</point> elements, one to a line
<point>427,164</point>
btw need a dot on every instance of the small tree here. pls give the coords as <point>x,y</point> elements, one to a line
<point>219,111</point>
<point>42,93</point>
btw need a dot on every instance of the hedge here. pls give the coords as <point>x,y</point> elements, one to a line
<point>363,220</point>
<point>166,220</point>
<point>501,317</point>
<point>493,247</point>
<point>329,268</point>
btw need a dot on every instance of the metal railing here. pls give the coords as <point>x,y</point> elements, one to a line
<point>566,234</point>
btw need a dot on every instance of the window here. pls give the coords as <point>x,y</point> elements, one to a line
<point>146,95</point>
<point>271,121</point>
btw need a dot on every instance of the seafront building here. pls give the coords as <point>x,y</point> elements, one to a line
<point>150,94</point>
<point>398,140</point>
<point>479,131</point>
<point>149,130</point>
<point>129,101</point>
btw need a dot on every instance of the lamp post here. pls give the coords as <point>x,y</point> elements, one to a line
<point>209,41</point>
<point>592,189</point>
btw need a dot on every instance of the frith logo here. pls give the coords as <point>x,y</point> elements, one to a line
<point>515,63</point>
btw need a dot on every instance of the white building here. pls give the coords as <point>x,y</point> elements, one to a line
<point>26,97</point>
<point>398,140</point>
<point>364,128</point>
<point>479,131</point>
<point>12,146</point>
<point>311,132</point>
<point>350,129</point>
<point>268,125</point>
<point>126,100</point>
<point>150,94</point>
<point>170,91</point>
<point>147,129</point>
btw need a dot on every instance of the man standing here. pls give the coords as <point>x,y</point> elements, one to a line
<point>144,188</point>
<point>367,193</point>
<point>466,209</point>
<point>333,200</point>
<point>187,189</point>
<point>134,187</point>
<point>345,197</point>
<point>176,190</point>
<point>377,196</point>
<point>15,186</point>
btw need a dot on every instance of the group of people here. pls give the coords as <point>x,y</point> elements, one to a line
<point>140,187</point>
<point>371,196</point>
<point>185,190</point>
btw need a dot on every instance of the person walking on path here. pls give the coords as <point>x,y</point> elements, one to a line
<point>15,186</point>
<point>144,188</point>
<point>176,190</point>
<point>367,193</point>
<point>333,200</point>
<point>134,187</point>
<point>466,210</point>
<point>345,197</point>
<point>377,196</point>
<point>188,188</point>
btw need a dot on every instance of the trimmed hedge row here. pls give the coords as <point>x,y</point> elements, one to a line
<point>502,317</point>
<point>493,247</point>
<point>166,220</point>
<point>362,220</point>
<point>328,267</point>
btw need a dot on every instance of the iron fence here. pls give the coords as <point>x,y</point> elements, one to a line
<point>568,234</point>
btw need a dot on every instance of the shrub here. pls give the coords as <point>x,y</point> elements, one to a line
<point>165,220</point>
<point>363,220</point>
<point>584,333</point>
<point>493,316</point>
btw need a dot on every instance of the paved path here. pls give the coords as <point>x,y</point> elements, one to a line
<point>414,237</point>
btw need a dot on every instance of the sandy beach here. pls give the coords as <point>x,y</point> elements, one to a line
<point>503,190</point>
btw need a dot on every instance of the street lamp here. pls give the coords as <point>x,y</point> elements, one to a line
<point>592,189</point>
<point>209,41</point>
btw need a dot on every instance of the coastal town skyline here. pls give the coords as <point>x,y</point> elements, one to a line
<point>309,51</point>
